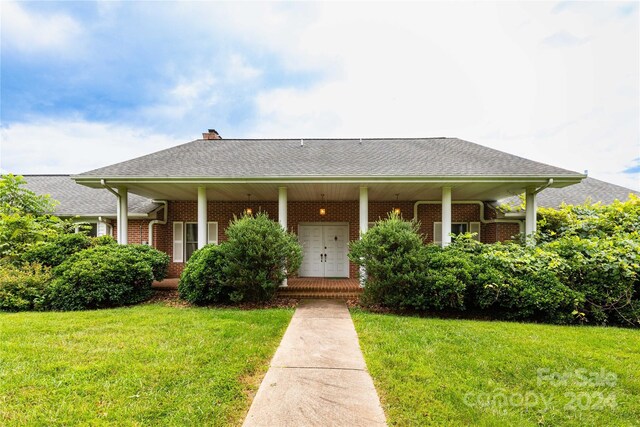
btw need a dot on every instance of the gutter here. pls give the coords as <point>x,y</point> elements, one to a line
<point>164,203</point>
<point>539,189</point>
<point>472,202</point>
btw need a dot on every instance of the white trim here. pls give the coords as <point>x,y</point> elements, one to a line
<point>347,179</point>
<point>178,241</point>
<point>321,223</point>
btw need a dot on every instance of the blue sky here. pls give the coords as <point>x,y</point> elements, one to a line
<point>86,84</point>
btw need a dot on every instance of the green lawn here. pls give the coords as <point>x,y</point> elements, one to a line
<point>464,372</point>
<point>143,365</point>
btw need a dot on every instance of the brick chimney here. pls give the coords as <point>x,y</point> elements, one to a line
<point>212,134</point>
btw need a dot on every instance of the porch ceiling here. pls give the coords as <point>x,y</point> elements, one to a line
<point>407,191</point>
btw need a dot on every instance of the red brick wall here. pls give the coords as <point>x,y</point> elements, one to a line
<point>506,231</point>
<point>300,212</point>
<point>137,231</point>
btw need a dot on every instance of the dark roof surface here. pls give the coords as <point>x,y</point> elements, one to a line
<point>256,158</point>
<point>577,194</point>
<point>76,199</point>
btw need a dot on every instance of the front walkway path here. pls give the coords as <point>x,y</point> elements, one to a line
<point>318,376</point>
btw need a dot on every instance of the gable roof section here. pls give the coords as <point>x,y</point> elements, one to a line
<point>589,189</point>
<point>287,158</point>
<point>79,200</point>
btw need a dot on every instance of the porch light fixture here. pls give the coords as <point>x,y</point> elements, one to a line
<point>248,210</point>
<point>323,211</point>
<point>397,209</point>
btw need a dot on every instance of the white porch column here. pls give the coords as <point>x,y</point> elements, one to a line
<point>530,212</point>
<point>364,210</point>
<point>446,216</point>
<point>202,217</point>
<point>282,217</point>
<point>282,206</point>
<point>364,224</point>
<point>123,215</point>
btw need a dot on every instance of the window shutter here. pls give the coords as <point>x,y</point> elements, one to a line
<point>437,232</point>
<point>474,227</point>
<point>212,233</point>
<point>178,242</point>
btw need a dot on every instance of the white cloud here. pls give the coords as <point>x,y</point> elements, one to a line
<point>238,70</point>
<point>32,32</point>
<point>483,72</point>
<point>74,145</point>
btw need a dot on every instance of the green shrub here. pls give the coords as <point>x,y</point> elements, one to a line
<point>258,256</point>
<point>104,240</point>
<point>203,280</point>
<point>21,287</point>
<point>100,277</point>
<point>53,252</point>
<point>444,281</point>
<point>521,282</point>
<point>391,254</point>
<point>607,272</point>
<point>158,260</point>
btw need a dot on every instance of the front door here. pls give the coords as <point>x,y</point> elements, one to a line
<point>325,249</point>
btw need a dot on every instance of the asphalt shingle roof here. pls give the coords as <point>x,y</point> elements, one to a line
<point>77,199</point>
<point>256,158</point>
<point>577,194</point>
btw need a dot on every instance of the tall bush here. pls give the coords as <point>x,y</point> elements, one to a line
<point>391,254</point>
<point>258,256</point>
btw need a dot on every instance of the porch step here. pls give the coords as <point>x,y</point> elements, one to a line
<point>315,294</point>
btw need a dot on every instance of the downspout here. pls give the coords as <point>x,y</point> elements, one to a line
<point>469,202</point>
<point>157,221</point>
<point>104,184</point>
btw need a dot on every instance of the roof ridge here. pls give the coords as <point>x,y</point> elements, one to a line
<point>328,139</point>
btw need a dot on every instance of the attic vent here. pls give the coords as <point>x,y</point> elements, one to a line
<point>211,134</point>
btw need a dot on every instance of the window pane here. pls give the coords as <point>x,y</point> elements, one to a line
<point>458,228</point>
<point>190,249</point>
<point>192,232</point>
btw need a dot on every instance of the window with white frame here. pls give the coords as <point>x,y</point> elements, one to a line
<point>185,238</point>
<point>456,228</point>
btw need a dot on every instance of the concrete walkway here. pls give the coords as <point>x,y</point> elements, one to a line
<point>318,376</point>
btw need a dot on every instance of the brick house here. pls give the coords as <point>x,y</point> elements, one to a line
<point>327,191</point>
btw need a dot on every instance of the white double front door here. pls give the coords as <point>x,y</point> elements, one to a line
<point>325,249</point>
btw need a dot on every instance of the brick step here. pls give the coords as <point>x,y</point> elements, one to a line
<point>321,288</point>
<point>318,294</point>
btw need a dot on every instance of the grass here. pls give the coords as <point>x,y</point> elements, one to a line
<point>143,365</point>
<point>464,372</point>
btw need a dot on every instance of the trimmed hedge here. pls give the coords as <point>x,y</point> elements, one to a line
<point>158,260</point>
<point>203,280</point>
<point>53,252</point>
<point>100,277</point>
